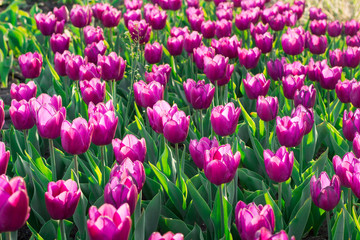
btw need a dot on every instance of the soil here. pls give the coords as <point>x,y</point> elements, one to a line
<point>24,233</point>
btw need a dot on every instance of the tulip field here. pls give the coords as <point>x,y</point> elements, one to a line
<point>173,120</point>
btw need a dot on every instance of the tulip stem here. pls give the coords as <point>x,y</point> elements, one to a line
<point>103,165</point>
<point>222,210</point>
<point>349,200</point>
<point>328,105</point>
<point>62,229</point>
<point>52,159</point>
<point>178,164</point>
<point>217,93</point>
<point>114,93</point>
<point>267,134</point>
<point>328,224</point>
<point>110,36</point>
<point>8,235</point>
<point>76,169</point>
<point>81,39</point>
<point>201,123</point>
<point>280,197</point>
<point>26,138</point>
<point>301,160</point>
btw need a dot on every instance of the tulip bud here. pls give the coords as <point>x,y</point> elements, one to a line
<point>226,46</point>
<point>279,165</point>
<point>351,27</point>
<point>334,28</point>
<point>199,54</point>
<point>133,4</point>
<point>352,57</point>
<point>129,147</point>
<point>208,29</point>
<point>112,67</point>
<point>351,124</point>
<point>178,31</point>
<point>73,66</point>
<point>146,95</point>
<point>30,64</point>
<point>226,14</point>
<point>329,77</point>
<point>133,15</point>
<point>223,28</point>
<point>23,91</point>
<point>93,91</point>
<point>61,13</point>
<point>215,68</point>
<point>296,68</point>
<point>76,136</point>
<point>60,61</point>
<point>59,42</point>
<point>277,22</point>
<point>318,27</point>
<point>93,35</point>
<point>290,131</point>
<point>167,236</point>
<point>164,69</point>
<point>157,18</point>
<point>160,110</point>
<point>325,193</point>
<point>88,71</point>
<point>275,68</point>
<point>49,120</point>
<point>93,50</point>
<point>337,58</point>
<point>140,31</point>
<point>175,45</point>
<point>307,116</point>
<point>267,108</point>
<point>80,16</point>
<point>192,41</point>
<point>353,41</point>
<point>198,94</point>
<point>4,158</point>
<point>153,52</point>
<point>265,234</point>
<point>244,19</point>
<point>316,14</point>
<point>176,127</point>
<point>110,17</point>
<point>157,76</point>
<point>345,168</point>
<point>343,89</point>
<point>259,28</point>
<point>292,43</point>
<point>354,91</point>
<point>21,115</point>
<point>62,198</point>
<point>256,85</point>
<point>305,96</point>
<point>249,58</point>
<point>291,84</point>
<point>224,119</point>
<point>197,149</point>
<point>315,68</point>
<point>45,23</point>
<point>317,45</point>
<point>264,42</point>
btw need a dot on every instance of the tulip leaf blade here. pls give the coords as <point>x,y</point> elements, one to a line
<point>216,215</point>
<point>34,232</point>
<point>152,215</point>
<point>355,218</point>
<point>339,144</point>
<point>298,223</point>
<point>279,225</point>
<point>338,230</point>
<point>248,119</point>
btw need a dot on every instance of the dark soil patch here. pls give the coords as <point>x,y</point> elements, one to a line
<point>24,233</point>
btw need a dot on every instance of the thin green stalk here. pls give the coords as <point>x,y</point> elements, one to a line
<point>301,159</point>
<point>201,123</point>
<point>110,36</point>
<point>222,210</point>
<point>114,93</point>
<point>76,168</point>
<point>26,140</point>
<point>328,104</point>
<point>103,165</point>
<point>267,135</point>
<point>235,185</point>
<point>217,93</point>
<point>81,39</point>
<point>52,159</point>
<point>328,224</point>
<point>210,195</point>
<point>62,229</point>
<point>178,165</point>
<point>280,197</point>
<point>349,200</point>
<point>8,236</point>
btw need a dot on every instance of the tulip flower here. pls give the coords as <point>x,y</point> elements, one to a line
<point>59,42</point>
<point>249,58</point>
<point>93,35</point>
<point>88,71</point>
<point>316,14</point>
<point>290,18</point>
<point>157,18</point>
<point>215,68</point>
<point>176,127</point>
<point>153,52</point>
<point>14,208</point>
<point>277,22</point>
<point>30,64</point>
<point>195,18</point>
<point>146,95</point>
<point>80,16</point>
<point>139,31</point>
<point>164,69</point>
<point>49,120</point>
<point>293,43</point>
<point>353,41</point>
<point>256,85</point>
<point>199,54</point>
<point>108,222</point>
<point>351,124</point>
<point>291,84</point>
<point>192,41</point>
<point>59,27</point>
<point>133,15</point>
<point>351,27</point>
<point>325,193</point>
<point>343,89</point>
<point>307,116</point>
<point>296,68</point>
<point>251,218</point>
<point>226,46</point>
<point>102,118</point>
<point>264,42</point>
<point>4,158</point>
<point>317,45</point>
<point>223,28</point>
<point>157,76</point>
<point>110,17</point>
<point>161,110</point>
<point>119,191</point>
<point>329,77</point>
<point>61,13</point>
<point>344,168</point>
<point>98,9</point>
<point>352,57</point>
<point>21,115</point>
<point>167,236</point>
<point>265,234</point>
<point>45,23</point>
<point>220,164</point>
<point>315,69</point>
<point>305,96</point>
<point>178,31</point>
<point>197,149</point>
<point>259,28</point>
<point>224,119</point>
<point>73,66</point>
<point>279,165</point>
<point>92,91</point>
<point>334,28</point>
<point>275,68</point>
<point>355,183</point>
<point>290,131</point>
<point>135,170</point>
<point>356,145</point>
<point>35,103</point>
<point>226,14</point>
<point>76,136</point>
<point>193,3</point>
<point>130,147</point>
<point>175,45</point>
<point>198,94</point>
<point>243,20</point>
<point>318,27</point>
<point>337,58</point>
<point>267,108</point>
<point>93,50</point>
<point>208,29</point>
<point>62,198</point>
<point>133,4</point>
<point>112,67</point>
<point>23,91</point>
<point>60,61</point>
<point>354,94</point>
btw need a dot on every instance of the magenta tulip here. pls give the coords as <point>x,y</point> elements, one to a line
<point>279,165</point>
<point>130,147</point>
<point>224,119</point>
<point>197,149</point>
<point>93,91</point>
<point>30,64</point>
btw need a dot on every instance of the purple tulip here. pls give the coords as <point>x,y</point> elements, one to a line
<point>62,198</point>
<point>174,5</point>
<point>35,103</point>
<point>290,131</point>
<point>259,28</point>
<point>30,64</point>
<point>133,15</point>
<point>195,18</point>
<point>208,29</point>
<point>61,13</point>
<point>98,9</point>
<point>109,222</point>
<point>352,57</point>
<point>277,22</point>
<point>93,50</point>
<point>256,85</point>
<point>337,58</point>
<point>318,27</point>
<point>344,168</point>
<point>176,127</point>
<point>291,84</point>
<point>2,114</point>
<point>215,68</point>
<point>305,96</point>
<point>73,66</point>
<point>329,77</point>
<point>59,42</point>
<point>112,67</point>
<point>249,58</point>
<point>197,149</point>
<point>21,115</point>
<point>45,23</point>
<point>175,45</point>
<point>80,16</point>
<point>88,71</point>
<point>49,120</point>
<point>135,170</point>
<point>167,236</point>
<point>244,19</point>
<point>76,136</point>
<point>220,165</point>
<point>157,76</point>
<point>93,35</point>
<point>161,110</point>
<point>317,45</point>
<point>290,18</point>
<point>275,68</point>
<point>110,17</point>
<point>164,69</point>
<point>4,158</point>
<point>325,193</point>
<point>334,28</point>
<point>293,43</point>
<point>351,124</point>
<point>153,52</point>
<point>193,3</point>
<point>59,27</point>
<point>267,13</point>
<point>178,31</point>
<point>226,14</point>
<point>157,18</point>
<point>353,41</point>
<point>60,61</point>
<point>130,147</point>
<point>264,42</point>
<point>296,68</point>
<point>251,218</point>
<point>93,91</point>
<point>316,14</point>
<point>315,69</point>
<point>198,94</point>
<point>199,54</point>
<point>224,119</point>
<point>265,234</point>
<point>23,91</point>
<point>147,10</point>
<point>226,46</point>
<point>223,28</point>
<point>226,78</point>
<point>133,4</point>
<point>267,108</point>
<point>139,31</point>
<point>279,165</point>
<point>307,116</point>
<point>354,94</point>
<point>351,27</point>
<point>192,41</point>
<point>343,89</point>
<point>14,208</point>
<point>146,95</point>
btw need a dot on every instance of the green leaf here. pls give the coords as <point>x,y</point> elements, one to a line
<point>298,223</point>
<point>152,215</point>
<point>34,232</point>
<point>248,119</point>
<point>339,227</point>
<point>80,217</point>
<point>340,145</point>
<point>277,212</point>
<point>216,216</point>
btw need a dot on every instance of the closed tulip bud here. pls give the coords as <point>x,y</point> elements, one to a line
<point>59,27</point>
<point>279,165</point>
<point>166,236</point>
<point>146,95</point>
<point>60,61</point>
<point>275,68</point>
<point>226,46</point>
<point>45,23</point>
<point>93,35</point>
<point>329,77</point>
<point>80,16</point>
<point>93,91</point>
<point>112,67</point>
<point>62,198</point>
<point>343,89</point>
<point>23,91</point>
<point>157,18</point>
<point>35,103</point>
<point>110,17</point>
<point>197,149</point>
<point>61,13</point>
<point>14,209</point>
<point>133,15</point>
<point>249,58</point>
<point>119,191</point>
<point>353,41</point>
<point>354,94</point>
<point>337,58</point>
<point>49,120</point>
<point>59,42</point>
<point>259,28</point>
<point>98,9</point>
<point>351,124</point>
<point>291,84</point>
<point>164,69</point>
<point>220,164</point>
<point>30,64</point>
<point>133,4</point>
<point>325,193</point>
<point>215,68</point>
<point>243,20</point>
<point>93,50</point>
<point>351,27</point>
<point>178,31</point>
<point>72,67</point>
<point>251,218</point>
<point>175,45</point>
<point>352,57</point>
<point>192,41</point>
<point>345,168</point>
<point>157,76</point>
<point>277,22</point>
<point>208,29</point>
<point>318,27</point>
<point>296,68</point>
<point>315,68</point>
<point>226,14</point>
<point>292,43</point>
<point>153,52</point>
<point>139,31</point>
<point>307,116</point>
<point>267,108</point>
<point>305,96</point>
<point>199,54</point>
<point>223,28</point>
<point>290,18</point>
<point>290,131</point>
<point>135,170</point>
<point>21,115</point>
<point>130,147</point>
<point>88,71</point>
<point>109,222</point>
<point>4,158</point>
<point>193,3</point>
<point>256,85</point>
<point>224,119</point>
<point>76,136</point>
<point>265,234</point>
<point>176,127</point>
<point>264,42</point>
<point>226,78</point>
<point>334,28</point>
<point>174,5</point>
<point>317,45</point>
<point>198,94</point>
